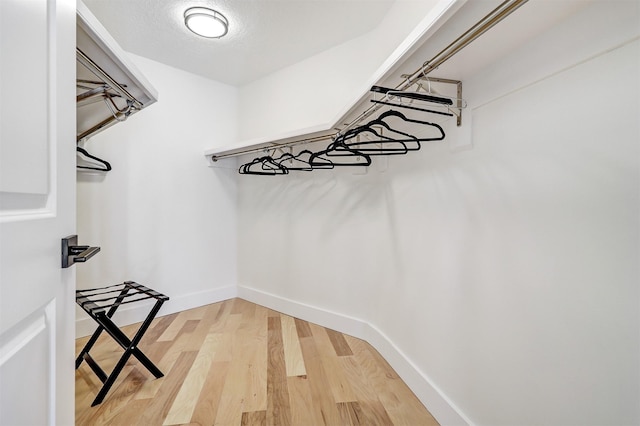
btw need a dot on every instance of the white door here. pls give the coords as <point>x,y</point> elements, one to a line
<point>37,209</point>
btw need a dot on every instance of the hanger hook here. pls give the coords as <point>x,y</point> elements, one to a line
<point>424,66</point>
<point>407,78</point>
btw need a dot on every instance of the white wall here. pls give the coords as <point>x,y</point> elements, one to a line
<point>315,91</point>
<point>506,274</point>
<point>161,216</point>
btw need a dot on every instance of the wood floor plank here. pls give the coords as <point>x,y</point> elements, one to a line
<point>255,334</point>
<point>254,418</point>
<point>302,327</point>
<point>189,326</point>
<point>235,398</point>
<point>339,343</point>
<point>231,404</point>
<point>159,406</point>
<point>131,413</point>
<point>232,362</point>
<point>241,306</point>
<point>202,328</point>
<point>319,384</point>
<point>209,399</point>
<point>272,313</point>
<point>124,388</point>
<point>174,328</point>
<point>85,391</point>
<point>351,414</point>
<point>402,406</point>
<point>303,410</point>
<point>225,308</point>
<point>407,409</point>
<point>372,412</point>
<point>225,352</point>
<point>87,382</point>
<point>185,403</point>
<point>176,347</point>
<point>278,409</point>
<point>155,352</point>
<point>225,325</point>
<point>336,377</point>
<point>357,379</point>
<point>292,353</point>
<point>159,326</point>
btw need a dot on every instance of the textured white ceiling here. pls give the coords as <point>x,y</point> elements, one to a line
<point>264,35</point>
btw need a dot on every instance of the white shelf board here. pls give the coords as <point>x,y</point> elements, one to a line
<point>96,42</point>
<point>93,39</point>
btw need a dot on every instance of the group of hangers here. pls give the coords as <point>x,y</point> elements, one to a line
<point>354,147</point>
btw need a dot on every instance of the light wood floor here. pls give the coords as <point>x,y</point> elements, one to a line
<point>237,363</point>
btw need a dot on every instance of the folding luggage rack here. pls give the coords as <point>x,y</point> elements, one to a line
<point>101,304</point>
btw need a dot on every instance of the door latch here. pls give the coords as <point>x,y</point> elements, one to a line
<point>73,253</point>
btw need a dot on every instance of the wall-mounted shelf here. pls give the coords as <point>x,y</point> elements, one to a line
<point>102,63</point>
<point>450,23</point>
<point>441,12</point>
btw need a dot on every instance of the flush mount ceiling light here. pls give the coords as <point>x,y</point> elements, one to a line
<point>206,22</point>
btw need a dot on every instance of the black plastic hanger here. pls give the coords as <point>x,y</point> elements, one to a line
<point>106,166</point>
<point>412,95</point>
<point>299,165</point>
<point>378,144</point>
<point>393,113</point>
<point>398,146</point>
<point>267,167</point>
<point>340,155</point>
<point>300,162</point>
<point>415,108</point>
<point>406,142</point>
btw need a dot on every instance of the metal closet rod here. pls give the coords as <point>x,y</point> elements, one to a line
<point>275,146</point>
<point>498,14</point>
<point>114,85</point>
<point>100,73</point>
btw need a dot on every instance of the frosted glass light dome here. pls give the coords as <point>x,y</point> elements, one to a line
<point>206,22</point>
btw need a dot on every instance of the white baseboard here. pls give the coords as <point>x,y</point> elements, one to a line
<point>133,314</point>
<point>343,323</point>
<point>438,404</point>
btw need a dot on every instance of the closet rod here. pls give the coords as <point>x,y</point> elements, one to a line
<point>482,26</point>
<point>100,73</point>
<point>107,122</point>
<point>498,14</point>
<point>275,146</point>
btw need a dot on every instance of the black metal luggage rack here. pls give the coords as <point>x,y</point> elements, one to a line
<point>101,304</point>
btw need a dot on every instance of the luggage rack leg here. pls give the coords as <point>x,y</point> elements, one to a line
<point>130,346</point>
<point>96,334</point>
